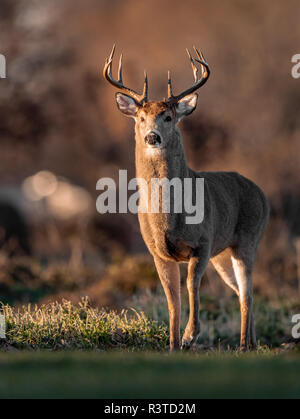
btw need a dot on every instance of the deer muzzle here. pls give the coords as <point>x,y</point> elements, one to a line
<point>153,139</point>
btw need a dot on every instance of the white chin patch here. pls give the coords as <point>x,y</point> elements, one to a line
<point>154,150</point>
<point>157,145</point>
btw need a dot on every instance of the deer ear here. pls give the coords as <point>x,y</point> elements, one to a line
<point>127,105</point>
<point>186,105</point>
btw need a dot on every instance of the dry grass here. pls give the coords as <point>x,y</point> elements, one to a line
<point>64,326</point>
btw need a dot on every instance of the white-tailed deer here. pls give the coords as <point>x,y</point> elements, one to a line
<point>235,209</point>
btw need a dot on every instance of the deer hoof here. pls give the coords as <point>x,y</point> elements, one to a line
<point>186,344</point>
<point>243,348</point>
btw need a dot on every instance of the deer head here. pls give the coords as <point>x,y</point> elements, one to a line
<point>155,121</point>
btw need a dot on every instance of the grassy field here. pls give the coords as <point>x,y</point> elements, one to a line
<point>64,326</point>
<point>67,326</point>
<point>147,375</point>
<point>65,350</point>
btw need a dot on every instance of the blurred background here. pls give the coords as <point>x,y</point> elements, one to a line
<point>60,131</point>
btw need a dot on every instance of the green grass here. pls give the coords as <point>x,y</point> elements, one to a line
<point>74,351</point>
<point>64,326</point>
<point>147,375</point>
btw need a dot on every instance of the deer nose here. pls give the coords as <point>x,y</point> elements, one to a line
<point>152,138</point>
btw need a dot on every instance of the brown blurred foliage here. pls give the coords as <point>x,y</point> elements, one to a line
<point>57,113</point>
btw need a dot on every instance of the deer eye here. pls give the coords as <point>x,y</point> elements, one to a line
<point>168,119</point>
<point>142,119</point>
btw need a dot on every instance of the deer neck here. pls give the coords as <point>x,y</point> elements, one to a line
<point>162,230</point>
<point>169,162</point>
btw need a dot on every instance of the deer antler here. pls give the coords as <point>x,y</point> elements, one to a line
<point>107,73</point>
<point>205,72</point>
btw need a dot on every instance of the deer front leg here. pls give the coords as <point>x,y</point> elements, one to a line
<point>170,279</point>
<point>196,268</point>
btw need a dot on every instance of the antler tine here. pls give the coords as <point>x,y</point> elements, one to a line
<point>107,73</point>
<point>112,53</point>
<point>120,69</point>
<point>170,93</point>
<point>194,67</point>
<point>205,71</point>
<point>145,90</point>
<point>201,60</point>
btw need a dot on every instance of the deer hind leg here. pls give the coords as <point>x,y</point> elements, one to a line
<point>242,266</point>
<point>253,343</point>
<point>170,279</point>
<point>196,268</point>
<point>234,273</point>
<point>223,265</point>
